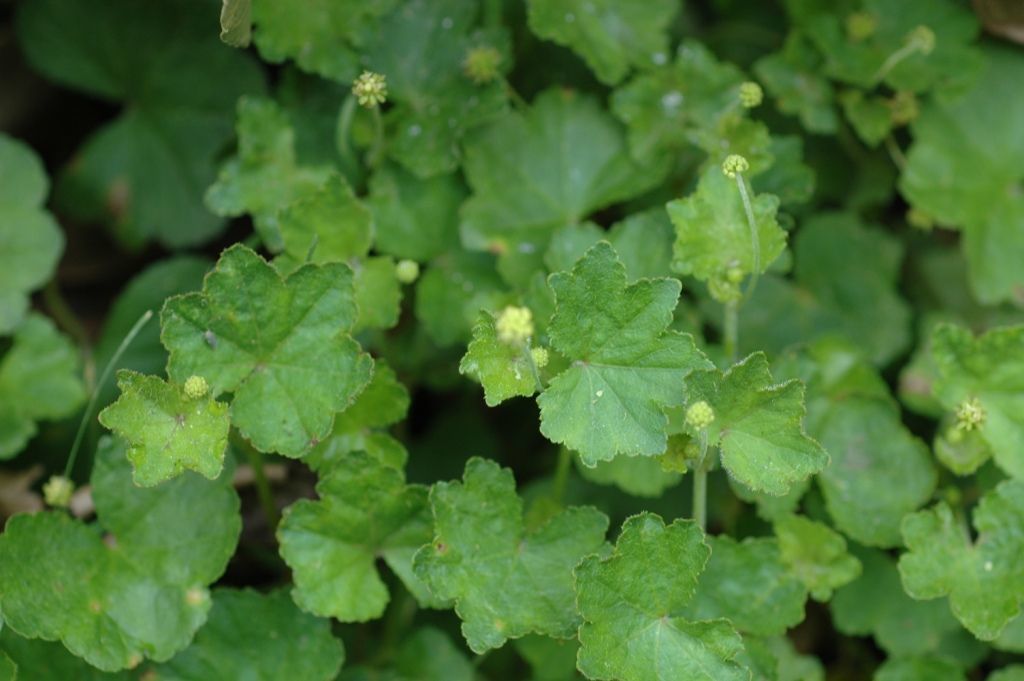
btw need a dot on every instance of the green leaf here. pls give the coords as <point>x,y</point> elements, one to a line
<point>168,430</point>
<point>879,471</point>
<point>143,174</point>
<point>41,660</point>
<point>816,554</point>
<point>505,370</point>
<point>264,178</point>
<point>415,218</point>
<point>236,22</point>
<point>664,107</point>
<point>870,115</point>
<point>30,240</point>
<point>453,290</point>
<point>643,242</point>
<point>426,655</point>
<point>792,77</point>
<point>641,476</point>
<point>748,584</point>
<point>257,636</point>
<point>382,403</point>
<point>279,345</point>
<point>984,578</point>
<point>712,234</point>
<point>845,285</point>
<point>610,35</point>
<point>987,369</point>
<point>631,603</point>
<point>919,669</point>
<point>758,425</point>
<point>962,170</point>
<point>1012,673</point>
<point>952,62</point>
<point>421,47</point>
<point>507,579</point>
<point>534,172</point>
<point>321,35</point>
<point>39,380</point>
<point>378,293</point>
<point>366,511</point>
<point>627,367</point>
<point>137,591</point>
<point>876,604</point>
<point>328,225</point>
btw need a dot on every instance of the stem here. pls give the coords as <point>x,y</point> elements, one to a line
<point>732,329</point>
<point>518,102</point>
<point>894,59</point>
<point>266,497</point>
<point>561,474</point>
<point>348,112</point>
<point>700,483</point>
<point>146,316</point>
<point>895,152</point>
<point>378,138</point>
<point>755,241</point>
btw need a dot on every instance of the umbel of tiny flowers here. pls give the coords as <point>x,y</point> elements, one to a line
<point>734,164</point>
<point>970,415</point>
<point>921,39</point>
<point>514,325</point>
<point>196,387</point>
<point>370,89</point>
<point>57,491</point>
<point>407,271</point>
<point>482,64</point>
<point>860,26</point>
<point>700,415</point>
<point>751,94</point>
<point>540,357</point>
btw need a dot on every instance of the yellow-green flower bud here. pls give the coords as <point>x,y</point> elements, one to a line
<point>407,271</point>
<point>370,89</point>
<point>57,491</point>
<point>970,414</point>
<point>860,26</point>
<point>700,415</point>
<point>734,164</point>
<point>904,107</point>
<point>751,94</point>
<point>482,64</point>
<point>196,387</point>
<point>922,38</point>
<point>514,325</point>
<point>540,357</point>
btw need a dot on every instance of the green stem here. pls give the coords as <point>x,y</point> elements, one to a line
<point>67,319</point>
<point>378,138</point>
<point>518,102</point>
<point>561,474</point>
<point>731,329</point>
<point>894,59</point>
<point>700,483</point>
<point>263,491</point>
<point>538,383</point>
<point>755,241</point>
<point>348,112</point>
<point>146,316</point>
<point>895,153</point>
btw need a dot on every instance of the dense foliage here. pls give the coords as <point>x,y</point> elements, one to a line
<point>454,340</point>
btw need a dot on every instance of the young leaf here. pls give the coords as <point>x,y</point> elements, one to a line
<point>631,604</point>
<point>664,107</point>
<point>264,177</point>
<point>279,345</point>
<point>366,511</point>
<point>748,584</point>
<point>144,173</point>
<point>39,379</point>
<point>758,425</point>
<point>984,579</point>
<point>502,368</point>
<point>30,240</point>
<point>712,235</point>
<point>140,592</point>
<point>258,637</point>
<point>792,76</point>
<point>610,35</point>
<point>962,170</point>
<point>816,554</point>
<point>168,429</point>
<point>985,371</point>
<point>507,579</point>
<point>627,367</point>
<point>572,154</point>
